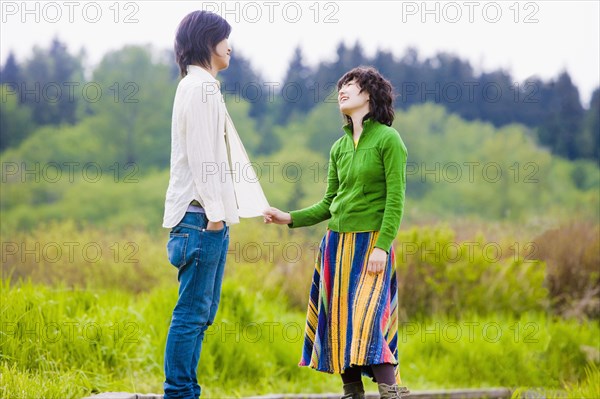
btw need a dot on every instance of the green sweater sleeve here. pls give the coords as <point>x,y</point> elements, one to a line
<point>320,211</point>
<point>394,157</point>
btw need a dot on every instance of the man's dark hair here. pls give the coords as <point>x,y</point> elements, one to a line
<point>380,91</point>
<point>197,36</point>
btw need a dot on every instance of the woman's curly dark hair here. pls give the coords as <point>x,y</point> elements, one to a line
<point>197,36</point>
<point>380,91</point>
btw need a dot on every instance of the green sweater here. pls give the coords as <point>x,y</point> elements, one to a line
<point>365,186</point>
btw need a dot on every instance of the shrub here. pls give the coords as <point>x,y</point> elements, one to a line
<point>572,255</point>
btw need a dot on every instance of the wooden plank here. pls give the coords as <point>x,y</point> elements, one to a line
<point>125,395</point>
<point>490,393</point>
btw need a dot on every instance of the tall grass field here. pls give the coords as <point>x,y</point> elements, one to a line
<point>75,323</point>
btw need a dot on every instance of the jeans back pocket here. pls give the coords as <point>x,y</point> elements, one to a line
<point>177,248</point>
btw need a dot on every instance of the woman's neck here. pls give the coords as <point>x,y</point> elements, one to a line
<point>357,119</point>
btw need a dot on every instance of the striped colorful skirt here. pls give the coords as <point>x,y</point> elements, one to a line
<point>352,314</point>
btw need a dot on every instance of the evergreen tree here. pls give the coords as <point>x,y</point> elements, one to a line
<point>589,140</point>
<point>52,85</point>
<point>356,56</point>
<point>239,81</point>
<point>297,93</point>
<point>11,72</point>
<point>563,122</point>
<point>66,69</point>
<point>15,120</point>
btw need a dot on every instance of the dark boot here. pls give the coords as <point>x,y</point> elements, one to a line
<point>392,391</point>
<point>354,390</point>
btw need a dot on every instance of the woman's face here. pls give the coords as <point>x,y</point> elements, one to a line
<point>350,98</point>
<point>221,56</point>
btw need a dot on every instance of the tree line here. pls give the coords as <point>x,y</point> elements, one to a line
<point>50,88</point>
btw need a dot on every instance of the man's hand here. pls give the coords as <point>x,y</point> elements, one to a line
<point>274,215</point>
<point>377,261</point>
<point>215,225</point>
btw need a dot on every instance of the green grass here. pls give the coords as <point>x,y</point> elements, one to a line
<point>59,342</point>
<point>77,324</point>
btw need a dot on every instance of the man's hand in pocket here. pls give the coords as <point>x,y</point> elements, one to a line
<point>215,225</point>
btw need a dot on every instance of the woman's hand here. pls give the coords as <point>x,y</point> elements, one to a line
<point>377,261</point>
<point>274,215</point>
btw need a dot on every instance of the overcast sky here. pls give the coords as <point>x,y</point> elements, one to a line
<point>525,38</point>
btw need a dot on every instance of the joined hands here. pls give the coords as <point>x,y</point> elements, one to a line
<point>377,257</point>
<point>274,215</point>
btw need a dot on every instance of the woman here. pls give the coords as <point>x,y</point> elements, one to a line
<point>352,323</point>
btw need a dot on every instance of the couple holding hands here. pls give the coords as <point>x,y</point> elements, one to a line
<point>351,325</point>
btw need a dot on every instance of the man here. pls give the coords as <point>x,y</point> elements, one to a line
<point>202,199</point>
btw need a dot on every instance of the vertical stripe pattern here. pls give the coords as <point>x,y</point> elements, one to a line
<point>352,314</point>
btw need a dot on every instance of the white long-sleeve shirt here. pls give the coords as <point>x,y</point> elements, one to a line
<point>226,186</point>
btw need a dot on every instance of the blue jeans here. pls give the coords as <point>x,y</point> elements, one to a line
<point>199,255</point>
